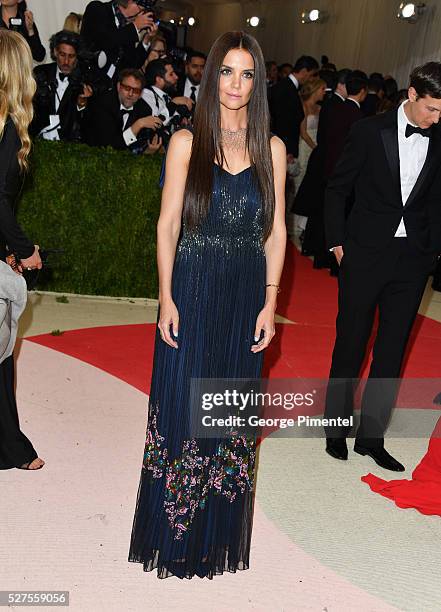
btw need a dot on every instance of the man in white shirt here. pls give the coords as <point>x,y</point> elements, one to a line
<point>194,69</point>
<point>160,94</point>
<point>386,249</point>
<point>119,118</point>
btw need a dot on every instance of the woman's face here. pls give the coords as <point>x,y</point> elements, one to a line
<point>236,79</point>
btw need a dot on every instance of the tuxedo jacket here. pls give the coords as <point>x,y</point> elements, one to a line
<point>99,32</point>
<point>369,106</point>
<point>286,114</point>
<point>102,124</point>
<point>310,192</point>
<point>370,165</point>
<point>339,121</point>
<point>44,104</point>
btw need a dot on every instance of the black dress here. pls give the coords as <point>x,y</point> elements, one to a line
<point>194,509</point>
<point>15,448</point>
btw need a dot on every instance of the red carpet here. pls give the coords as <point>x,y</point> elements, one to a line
<point>308,297</point>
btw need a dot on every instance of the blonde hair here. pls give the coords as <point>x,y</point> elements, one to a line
<point>310,87</point>
<point>72,23</point>
<point>17,88</point>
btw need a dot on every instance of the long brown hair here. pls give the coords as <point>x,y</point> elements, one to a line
<point>207,145</point>
<point>17,88</point>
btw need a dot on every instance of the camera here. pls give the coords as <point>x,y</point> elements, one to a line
<point>88,70</point>
<point>16,23</point>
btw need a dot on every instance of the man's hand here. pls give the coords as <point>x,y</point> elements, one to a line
<point>152,31</point>
<point>154,145</point>
<point>83,97</point>
<point>338,252</point>
<point>144,21</point>
<point>150,123</point>
<point>29,22</point>
<point>188,102</point>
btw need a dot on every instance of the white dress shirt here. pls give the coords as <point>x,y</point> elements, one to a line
<point>413,153</point>
<point>294,80</point>
<point>50,132</point>
<point>187,89</point>
<point>156,100</point>
<point>128,135</point>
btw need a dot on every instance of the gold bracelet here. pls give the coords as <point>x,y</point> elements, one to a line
<point>272,285</point>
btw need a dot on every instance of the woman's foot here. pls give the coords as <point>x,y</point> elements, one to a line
<point>36,464</point>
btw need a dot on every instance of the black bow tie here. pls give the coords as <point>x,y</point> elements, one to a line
<point>411,129</point>
<point>63,76</point>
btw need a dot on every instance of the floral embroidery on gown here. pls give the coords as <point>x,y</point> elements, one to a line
<point>194,507</point>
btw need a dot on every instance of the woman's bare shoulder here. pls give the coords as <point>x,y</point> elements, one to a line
<point>180,144</point>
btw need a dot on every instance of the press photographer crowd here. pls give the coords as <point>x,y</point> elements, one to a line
<point>118,79</point>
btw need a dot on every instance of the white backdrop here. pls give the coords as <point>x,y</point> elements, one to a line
<point>50,15</point>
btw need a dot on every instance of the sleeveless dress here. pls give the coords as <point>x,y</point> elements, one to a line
<point>194,506</point>
<point>304,149</point>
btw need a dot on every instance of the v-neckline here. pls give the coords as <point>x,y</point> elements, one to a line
<point>230,173</point>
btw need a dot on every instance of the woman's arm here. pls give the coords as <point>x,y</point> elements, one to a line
<point>169,227</point>
<point>274,249</point>
<point>304,133</point>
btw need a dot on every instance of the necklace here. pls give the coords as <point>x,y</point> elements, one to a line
<point>234,140</point>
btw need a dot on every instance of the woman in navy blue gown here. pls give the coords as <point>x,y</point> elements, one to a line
<point>221,247</point>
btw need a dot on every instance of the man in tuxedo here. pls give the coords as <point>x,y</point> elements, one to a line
<point>189,85</point>
<point>340,119</point>
<point>118,117</point>
<point>370,105</point>
<point>160,95</point>
<point>286,106</point>
<point>116,28</point>
<point>310,195</point>
<point>386,249</point>
<point>59,103</point>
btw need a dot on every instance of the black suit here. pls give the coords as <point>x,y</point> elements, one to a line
<point>378,269</point>
<point>15,448</point>
<point>310,193</point>
<point>340,119</point>
<point>369,106</point>
<point>336,117</point>
<point>100,33</point>
<point>286,114</point>
<point>103,122</point>
<point>44,104</point>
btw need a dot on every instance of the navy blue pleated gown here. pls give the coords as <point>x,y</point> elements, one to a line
<point>194,508</point>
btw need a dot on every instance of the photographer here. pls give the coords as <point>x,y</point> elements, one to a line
<point>160,95</point>
<point>121,119</point>
<point>15,16</point>
<point>116,27</point>
<point>59,100</point>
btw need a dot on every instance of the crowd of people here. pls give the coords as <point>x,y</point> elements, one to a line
<point>114,81</point>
